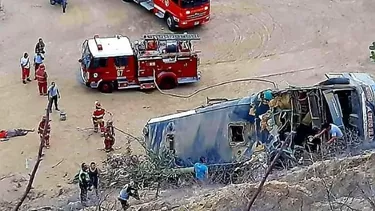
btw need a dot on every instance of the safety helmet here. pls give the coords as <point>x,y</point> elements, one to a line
<point>42,66</point>
<point>97,104</point>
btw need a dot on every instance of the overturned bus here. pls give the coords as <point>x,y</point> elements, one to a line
<point>226,132</point>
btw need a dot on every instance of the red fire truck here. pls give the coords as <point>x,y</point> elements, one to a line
<point>178,13</point>
<point>110,63</point>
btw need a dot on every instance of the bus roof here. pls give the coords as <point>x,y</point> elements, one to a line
<point>171,116</point>
<point>110,47</point>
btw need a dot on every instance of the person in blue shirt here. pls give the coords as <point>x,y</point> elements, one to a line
<point>333,130</point>
<point>38,60</point>
<point>127,191</point>
<point>201,170</point>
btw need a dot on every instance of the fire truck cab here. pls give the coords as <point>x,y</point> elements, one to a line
<point>110,63</point>
<point>178,13</point>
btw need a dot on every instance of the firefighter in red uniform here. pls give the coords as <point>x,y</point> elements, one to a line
<point>98,118</point>
<point>41,76</point>
<point>109,137</point>
<point>48,131</point>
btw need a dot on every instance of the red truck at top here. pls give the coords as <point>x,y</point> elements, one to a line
<point>178,13</point>
<point>110,63</point>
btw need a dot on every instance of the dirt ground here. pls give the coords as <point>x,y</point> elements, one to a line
<point>293,41</point>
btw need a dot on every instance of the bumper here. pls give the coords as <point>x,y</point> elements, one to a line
<point>188,80</point>
<point>82,80</point>
<point>192,23</point>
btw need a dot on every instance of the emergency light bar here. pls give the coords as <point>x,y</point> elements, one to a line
<point>97,42</point>
<point>171,37</point>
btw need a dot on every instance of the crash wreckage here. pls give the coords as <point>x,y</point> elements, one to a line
<point>228,132</point>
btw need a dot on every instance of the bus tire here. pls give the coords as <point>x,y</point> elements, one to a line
<point>106,87</point>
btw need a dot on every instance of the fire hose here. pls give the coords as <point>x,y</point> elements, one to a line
<point>212,86</point>
<point>256,78</point>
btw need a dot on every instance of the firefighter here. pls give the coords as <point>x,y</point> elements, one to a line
<point>84,182</point>
<point>109,137</point>
<point>98,118</point>
<point>41,130</point>
<point>41,76</point>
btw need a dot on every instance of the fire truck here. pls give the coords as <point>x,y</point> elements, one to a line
<point>110,63</point>
<point>178,13</point>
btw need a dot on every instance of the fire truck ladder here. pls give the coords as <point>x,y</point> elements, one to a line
<point>171,37</point>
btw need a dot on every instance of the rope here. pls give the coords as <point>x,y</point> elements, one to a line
<point>257,78</point>
<point>131,136</point>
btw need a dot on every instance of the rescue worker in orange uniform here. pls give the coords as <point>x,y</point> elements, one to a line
<point>109,137</point>
<point>48,131</point>
<point>41,76</point>
<point>98,118</point>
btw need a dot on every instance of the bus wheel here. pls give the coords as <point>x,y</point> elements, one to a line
<point>106,87</point>
<point>170,23</point>
<point>168,83</point>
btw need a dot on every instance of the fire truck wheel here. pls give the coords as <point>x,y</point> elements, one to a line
<point>167,83</point>
<point>170,22</point>
<point>106,87</point>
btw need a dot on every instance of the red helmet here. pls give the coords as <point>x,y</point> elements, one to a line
<point>42,66</point>
<point>97,104</point>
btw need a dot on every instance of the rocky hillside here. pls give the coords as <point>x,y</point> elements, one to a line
<point>341,184</point>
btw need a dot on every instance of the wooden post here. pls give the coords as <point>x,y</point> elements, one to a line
<point>39,158</point>
<point>252,200</point>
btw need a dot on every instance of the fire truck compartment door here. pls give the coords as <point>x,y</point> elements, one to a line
<point>334,107</point>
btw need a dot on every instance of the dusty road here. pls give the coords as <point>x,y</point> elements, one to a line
<point>244,39</point>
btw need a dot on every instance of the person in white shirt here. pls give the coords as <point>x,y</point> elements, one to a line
<point>25,65</point>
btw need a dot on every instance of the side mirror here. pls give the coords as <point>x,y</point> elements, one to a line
<point>79,60</point>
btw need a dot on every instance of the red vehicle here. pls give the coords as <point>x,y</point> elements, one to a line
<point>110,63</point>
<point>178,13</point>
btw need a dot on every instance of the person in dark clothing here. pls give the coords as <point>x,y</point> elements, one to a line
<point>40,46</point>
<point>54,95</point>
<point>84,183</point>
<point>127,191</point>
<point>94,176</point>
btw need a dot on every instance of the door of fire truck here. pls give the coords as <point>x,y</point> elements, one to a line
<point>85,60</point>
<point>126,71</point>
